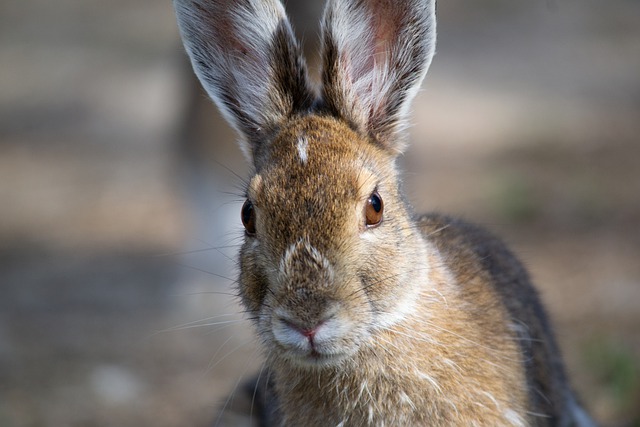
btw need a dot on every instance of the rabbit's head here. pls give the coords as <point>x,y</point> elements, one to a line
<point>330,254</point>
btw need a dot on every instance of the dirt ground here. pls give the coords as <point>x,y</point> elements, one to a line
<point>115,308</point>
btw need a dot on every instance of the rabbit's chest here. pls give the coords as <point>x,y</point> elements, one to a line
<point>398,395</point>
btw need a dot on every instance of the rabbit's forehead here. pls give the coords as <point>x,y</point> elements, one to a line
<point>318,155</point>
<point>314,141</point>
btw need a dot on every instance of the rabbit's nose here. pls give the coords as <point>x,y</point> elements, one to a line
<point>305,336</point>
<point>308,332</point>
<point>316,340</point>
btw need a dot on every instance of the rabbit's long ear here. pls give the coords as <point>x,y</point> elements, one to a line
<point>246,57</point>
<point>376,53</point>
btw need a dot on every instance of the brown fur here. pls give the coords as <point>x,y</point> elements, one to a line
<point>468,373</point>
<point>402,323</point>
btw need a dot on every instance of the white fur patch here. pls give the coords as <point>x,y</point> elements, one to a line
<point>303,145</point>
<point>405,399</point>
<point>406,305</point>
<point>512,417</point>
<point>430,380</point>
<point>370,414</point>
<point>290,337</point>
<point>491,398</point>
<point>297,252</point>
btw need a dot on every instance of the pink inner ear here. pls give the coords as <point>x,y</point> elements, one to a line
<point>375,49</point>
<point>366,63</point>
<point>386,22</point>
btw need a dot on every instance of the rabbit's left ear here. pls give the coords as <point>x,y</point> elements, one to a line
<point>247,59</point>
<point>376,54</point>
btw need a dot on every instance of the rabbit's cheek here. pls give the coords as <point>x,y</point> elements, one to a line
<point>253,282</point>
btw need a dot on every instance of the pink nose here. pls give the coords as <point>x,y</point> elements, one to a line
<point>309,333</point>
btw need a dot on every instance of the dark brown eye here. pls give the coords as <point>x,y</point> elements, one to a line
<point>248,215</point>
<point>373,210</point>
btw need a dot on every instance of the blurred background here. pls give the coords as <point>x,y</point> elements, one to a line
<point>119,224</point>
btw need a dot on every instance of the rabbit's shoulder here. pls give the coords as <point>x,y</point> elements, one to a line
<point>472,252</point>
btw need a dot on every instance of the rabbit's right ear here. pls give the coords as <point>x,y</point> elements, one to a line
<point>247,59</point>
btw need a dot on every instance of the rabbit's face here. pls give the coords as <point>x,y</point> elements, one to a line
<point>321,265</point>
<point>330,258</point>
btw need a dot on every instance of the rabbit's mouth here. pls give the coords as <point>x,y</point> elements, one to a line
<point>328,343</point>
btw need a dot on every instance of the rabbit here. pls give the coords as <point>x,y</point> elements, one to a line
<point>367,314</point>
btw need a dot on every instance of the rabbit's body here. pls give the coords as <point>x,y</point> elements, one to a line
<point>367,317</point>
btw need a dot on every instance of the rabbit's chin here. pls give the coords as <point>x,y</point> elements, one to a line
<point>313,359</point>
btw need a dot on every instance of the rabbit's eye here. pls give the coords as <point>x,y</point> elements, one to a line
<point>373,211</point>
<point>248,215</point>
